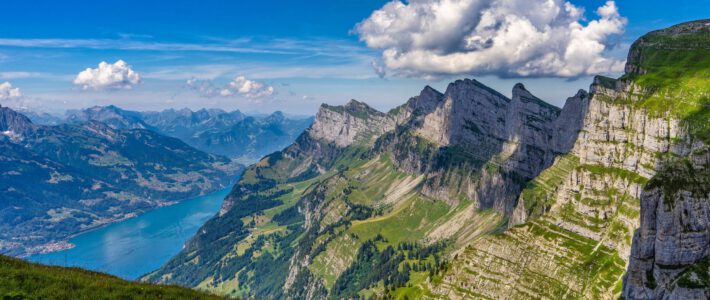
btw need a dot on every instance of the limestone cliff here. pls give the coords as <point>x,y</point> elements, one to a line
<point>344,125</point>
<point>670,254</point>
<point>576,219</point>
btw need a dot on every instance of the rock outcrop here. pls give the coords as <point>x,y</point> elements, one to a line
<point>13,123</point>
<point>670,258</point>
<point>344,125</point>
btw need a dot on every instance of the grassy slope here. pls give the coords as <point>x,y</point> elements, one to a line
<point>23,280</point>
<point>675,77</point>
<point>400,214</point>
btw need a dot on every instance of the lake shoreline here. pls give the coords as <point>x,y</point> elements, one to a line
<point>65,244</point>
<point>118,247</point>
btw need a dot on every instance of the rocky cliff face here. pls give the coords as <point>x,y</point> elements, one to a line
<point>470,194</point>
<point>576,219</point>
<point>669,257</point>
<point>450,137</point>
<point>344,125</point>
<point>12,123</point>
<point>578,213</point>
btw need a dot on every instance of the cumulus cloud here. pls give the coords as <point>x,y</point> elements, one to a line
<point>239,86</point>
<point>116,76</point>
<point>203,87</point>
<point>379,68</point>
<point>248,88</point>
<point>502,37</point>
<point>8,92</point>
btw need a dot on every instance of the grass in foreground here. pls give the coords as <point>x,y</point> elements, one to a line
<point>22,280</point>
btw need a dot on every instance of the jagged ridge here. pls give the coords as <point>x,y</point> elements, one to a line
<point>443,167</point>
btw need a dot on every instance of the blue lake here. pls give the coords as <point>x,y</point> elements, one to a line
<point>136,246</point>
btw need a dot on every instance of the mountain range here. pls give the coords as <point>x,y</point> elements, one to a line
<point>467,193</point>
<point>58,181</point>
<point>232,134</point>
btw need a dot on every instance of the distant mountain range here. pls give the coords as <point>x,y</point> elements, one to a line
<point>56,181</point>
<point>232,134</point>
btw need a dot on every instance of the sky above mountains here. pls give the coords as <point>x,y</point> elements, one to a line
<point>262,56</point>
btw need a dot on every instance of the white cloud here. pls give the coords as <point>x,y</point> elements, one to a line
<point>379,68</point>
<point>248,88</point>
<point>503,37</point>
<point>239,86</point>
<point>203,87</point>
<point>8,92</point>
<point>20,74</point>
<point>300,47</point>
<point>116,76</point>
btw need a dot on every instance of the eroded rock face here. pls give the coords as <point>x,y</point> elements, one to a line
<point>515,138</point>
<point>618,149</point>
<point>12,122</point>
<point>669,258</point>
<point>344,125</point>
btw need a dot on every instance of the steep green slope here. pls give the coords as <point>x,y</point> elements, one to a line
<point>22,280</point>
<point>347,209</point>
<point>672,67</point>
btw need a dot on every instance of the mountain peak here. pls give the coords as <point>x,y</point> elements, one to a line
<point>112,115</point>
<point>428,99</point>
<point>520,86</point>
<point>13,121</point>
<point>520,93</point>
<point>346,124</point>
<point>354,105</point>
<point>472,85</point>
<point>353,102</point>
<point>430,93</point>
<point>520,90</point>
<point>277,116</point>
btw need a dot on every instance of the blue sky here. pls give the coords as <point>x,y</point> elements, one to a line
<point>290,55</point>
